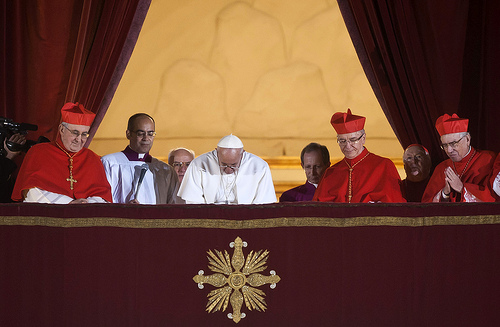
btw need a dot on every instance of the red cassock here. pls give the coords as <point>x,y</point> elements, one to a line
<point>46,167</point>
<point>474,169</point>
<point>373,179</point>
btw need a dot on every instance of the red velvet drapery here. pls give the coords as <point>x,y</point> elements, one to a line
<point>64,50</point>
<point>426,58</point>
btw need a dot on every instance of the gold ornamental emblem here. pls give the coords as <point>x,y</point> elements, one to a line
<point>238,285</point>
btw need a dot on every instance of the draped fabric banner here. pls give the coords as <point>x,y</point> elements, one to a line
<point>64,50</point>
<point>332,265</point>
<point>426,58</point>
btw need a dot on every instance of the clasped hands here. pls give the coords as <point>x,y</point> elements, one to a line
<point>452,181</point>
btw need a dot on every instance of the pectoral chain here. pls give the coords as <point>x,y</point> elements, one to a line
<point>71,180</point>
<point>351,168</point>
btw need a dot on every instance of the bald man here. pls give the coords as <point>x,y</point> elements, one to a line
<point>417,163</point>
<point>134,175</point>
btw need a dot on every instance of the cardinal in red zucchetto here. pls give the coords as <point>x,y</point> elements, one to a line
<point>361,176</point>
<point>64,171</point>
<point>464,177</point>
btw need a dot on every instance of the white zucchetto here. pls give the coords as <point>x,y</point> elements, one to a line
<point>230,142</point>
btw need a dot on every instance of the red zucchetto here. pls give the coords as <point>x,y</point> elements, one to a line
<point>76,114</point>
<point>447,124</point>
<point>345,123</point>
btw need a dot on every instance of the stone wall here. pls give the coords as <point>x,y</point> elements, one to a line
<point>270,71</point>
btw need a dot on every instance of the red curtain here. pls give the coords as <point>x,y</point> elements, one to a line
<point>426,58</point>
<point>54,51</point>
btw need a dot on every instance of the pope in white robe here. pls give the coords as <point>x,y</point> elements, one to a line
<point>228,175</point>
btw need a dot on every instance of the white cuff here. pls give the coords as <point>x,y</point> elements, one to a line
<point>41,196</point>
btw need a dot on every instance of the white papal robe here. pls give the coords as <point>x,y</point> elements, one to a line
<point>159,186</point>
<point>204,183</point>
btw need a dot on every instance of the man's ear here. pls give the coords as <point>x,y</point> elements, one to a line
<point>127,133</point>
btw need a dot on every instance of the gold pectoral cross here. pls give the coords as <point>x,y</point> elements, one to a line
<point>70,179</point>
<point>70,166</point>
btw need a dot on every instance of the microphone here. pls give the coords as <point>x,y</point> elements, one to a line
<point>144,168</point>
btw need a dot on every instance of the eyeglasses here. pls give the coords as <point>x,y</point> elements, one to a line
<point>351,141</point>
<point>453,144</point>
<point>416,158</point>
<point>179,164</point>
<point>233,167</point>
<point>77,133</point>
<point>141,133</point>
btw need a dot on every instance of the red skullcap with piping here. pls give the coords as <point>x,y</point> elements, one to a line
<point>447,124</point>
<point>345,123</point>
<point>76,114</point>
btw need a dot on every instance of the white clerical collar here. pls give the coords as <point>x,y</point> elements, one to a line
<point>315,185</point>
<point>470,148</point>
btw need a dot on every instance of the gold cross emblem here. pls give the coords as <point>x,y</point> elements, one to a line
<point>236,291</point>
<point>71,180</point>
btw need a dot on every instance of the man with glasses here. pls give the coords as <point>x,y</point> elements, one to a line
<point>464,177</point>
<point>64,171</point>
<point>417,163</point>
<point>228,175</point>
<point>361,176</point>
<point>134,175</point>
<point>180,158</point>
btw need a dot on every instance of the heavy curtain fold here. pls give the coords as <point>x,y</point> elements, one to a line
<point>426,58</point>
<point>65,50</point>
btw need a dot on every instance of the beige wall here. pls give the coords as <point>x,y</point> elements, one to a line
<point>270,71</point>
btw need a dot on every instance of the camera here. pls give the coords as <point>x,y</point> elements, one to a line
<point>8,128</point>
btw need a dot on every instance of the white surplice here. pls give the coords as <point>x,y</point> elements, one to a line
<point>159,186</point>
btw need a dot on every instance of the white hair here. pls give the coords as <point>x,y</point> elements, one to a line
<point>171,154</point>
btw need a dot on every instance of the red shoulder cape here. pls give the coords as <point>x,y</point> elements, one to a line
<point>46,167</point>
<point>374,179</point>
<point>475,178</point>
